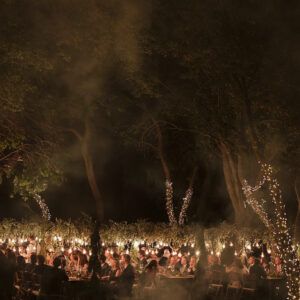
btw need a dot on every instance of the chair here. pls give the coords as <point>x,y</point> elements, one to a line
<point>216,277</point>
<point>247,294</point>
<point>233,293</point>
<point>215,290</point>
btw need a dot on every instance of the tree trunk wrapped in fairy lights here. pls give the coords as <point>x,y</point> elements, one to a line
<point>169,203</point>
<point>185,205</point>
<point>276,222</point>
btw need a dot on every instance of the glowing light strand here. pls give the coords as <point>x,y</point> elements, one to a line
<point>185,205</point>
<point>277,224</point>
<point>43,206</point>
<point>169,202</point>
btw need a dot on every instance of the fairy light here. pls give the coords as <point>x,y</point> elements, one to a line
<point>197,253</point>
<point>169,202</point>
<point>43,206</point>
<point>277,225</point>
<point>185,205</point>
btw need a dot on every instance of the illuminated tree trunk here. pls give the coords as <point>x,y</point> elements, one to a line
<point>297,221</point>
<point>169,184</point>
<point>187,199</point>
<point>276,222</point>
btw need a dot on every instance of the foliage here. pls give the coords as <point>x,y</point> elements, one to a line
<point>121,233</point>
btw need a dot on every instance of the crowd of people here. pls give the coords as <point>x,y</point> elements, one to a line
<point>118,272</point>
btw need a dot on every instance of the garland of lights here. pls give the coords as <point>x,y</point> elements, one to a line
<point>169,202</point>
<point>43,206</point>
<point>278,227</point>
<point>255,204</point>
<point>185,205</point>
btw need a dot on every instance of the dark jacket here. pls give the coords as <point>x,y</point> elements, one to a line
<point>257,272</point>
<point>125,281</point>
<point>52,279</point>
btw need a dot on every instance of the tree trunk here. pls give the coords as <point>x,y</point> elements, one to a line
<point>233,186</point>
<point>297,221</point>
<point>187,198</point>
<point>200,242</point>
<point>169,184</point>
<point>90,173</point>
<point>89,168</point>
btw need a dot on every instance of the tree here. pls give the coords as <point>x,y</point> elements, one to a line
<point>26,149</point>
<point>227,60</point>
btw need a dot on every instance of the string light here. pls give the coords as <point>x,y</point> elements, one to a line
<point>169,202</point>
<point>43,206</point>
<point>185,205</point>
<point>276,222</point>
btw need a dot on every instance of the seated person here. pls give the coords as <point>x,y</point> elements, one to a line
<point>148,278</point>
<point>276,267</point>
<point>30,266</point>
<point>126,278</point>
<point>192,266</point>
<point>172,264</point>
<point>182,266</point>
<point>256,270</point>
<point>265,264</point>
<point>142,260</point>
<point>105,268</point>
<point>83,263</point>
<point>163,262</point>
<point>21,265</point>
<point>114,271</point>
<point>235,273</point>
<point>52,278</point>
<point>214,271</point>
<point>40,268</point>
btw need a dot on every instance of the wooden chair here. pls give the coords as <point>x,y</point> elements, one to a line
<point>233,293</point>
<point>247,294</point>
<point>216,291</point>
